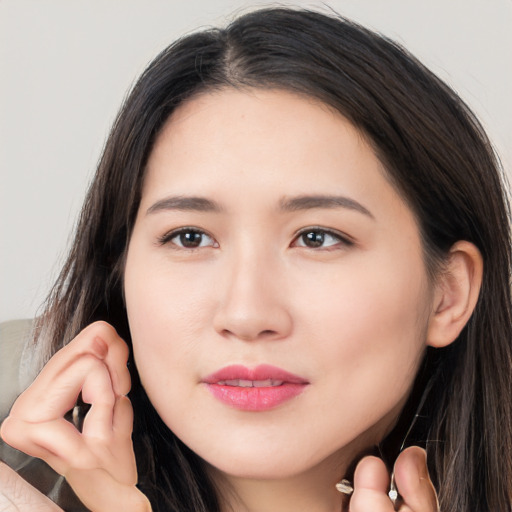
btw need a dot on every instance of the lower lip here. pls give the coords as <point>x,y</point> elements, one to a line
<point>253,398</point>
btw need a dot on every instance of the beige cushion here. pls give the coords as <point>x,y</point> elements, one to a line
<point>13,336</point>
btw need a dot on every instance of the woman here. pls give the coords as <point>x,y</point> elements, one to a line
<point>302,237</point>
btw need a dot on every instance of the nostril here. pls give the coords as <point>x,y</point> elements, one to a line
<point>250,321</point>
<point>248,336</point>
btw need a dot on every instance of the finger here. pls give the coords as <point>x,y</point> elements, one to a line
<point>17,495</point>
<point>122,425</point>
<point>48,400</point>
<point>58,443</point>
<point>116,356</point>
<point>61,446</point>
<point>97,391</point>
<point>413,481</point>
<point>99,340</point>
<point>39,429</point>
<point>126,467</point>
<point>371,483</point>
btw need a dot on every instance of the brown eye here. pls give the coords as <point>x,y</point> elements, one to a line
<point>321,239</point>
<point>313,238</point>
<point>190,239</point>
<point>187,238</point>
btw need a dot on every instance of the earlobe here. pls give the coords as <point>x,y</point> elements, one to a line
<point>456,294</point>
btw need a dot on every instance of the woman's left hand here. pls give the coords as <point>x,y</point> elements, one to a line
<point>371,485</point>
<point>98,461</point>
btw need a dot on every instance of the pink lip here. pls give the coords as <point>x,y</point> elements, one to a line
<point>254,398</point>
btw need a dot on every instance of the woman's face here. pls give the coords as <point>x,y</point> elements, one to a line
<point>275,285</point>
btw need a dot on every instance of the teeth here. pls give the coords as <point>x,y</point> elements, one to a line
<point>241,383</point>
<point>267,383</point>
<point>262,383</point>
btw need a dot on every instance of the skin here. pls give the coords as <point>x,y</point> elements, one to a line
<point>341,315</point>
<point>98,462</point>
<point>351,315</point>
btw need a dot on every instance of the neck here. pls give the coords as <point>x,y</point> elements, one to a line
<point>282,496</point>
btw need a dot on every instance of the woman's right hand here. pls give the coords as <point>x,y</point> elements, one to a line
<point>371,484</point>
<point>98,462</point>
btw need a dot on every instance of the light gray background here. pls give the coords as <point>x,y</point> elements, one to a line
<point>65,66</point>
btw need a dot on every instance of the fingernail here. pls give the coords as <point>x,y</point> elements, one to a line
<point>420,460</point>
<point>99,347</point>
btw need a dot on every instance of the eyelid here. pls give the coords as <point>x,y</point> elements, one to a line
<point>342,237</point>
<point>169,235</point>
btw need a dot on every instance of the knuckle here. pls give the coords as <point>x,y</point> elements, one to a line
<point>15,434</point>
<point>125,351</point>
<point>103,329</point>
<point>7,430</point>
<point>102,332</point>
<point>89,361</point>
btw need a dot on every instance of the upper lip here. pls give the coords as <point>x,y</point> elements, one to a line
<point>262,372</point>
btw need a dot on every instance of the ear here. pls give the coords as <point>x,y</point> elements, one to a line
<point>456,293</point>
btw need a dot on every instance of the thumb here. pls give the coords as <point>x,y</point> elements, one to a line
<point>371,483</point>
<point>413,481</point>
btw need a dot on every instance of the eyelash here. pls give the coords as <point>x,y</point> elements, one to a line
<point>341,238</point>
<point>168,237</point>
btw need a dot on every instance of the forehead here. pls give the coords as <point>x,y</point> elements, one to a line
<point>253,156</point>
<point>258,147</point>
<point>257,131</point>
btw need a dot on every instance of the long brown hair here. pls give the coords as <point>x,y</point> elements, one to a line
<point>438,158</point>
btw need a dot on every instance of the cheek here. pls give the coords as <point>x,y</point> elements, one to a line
<point>166,323</point>
<point>369,328</point>
<point>161,351</point>
<point>169,313</point>
<point>357,336</point>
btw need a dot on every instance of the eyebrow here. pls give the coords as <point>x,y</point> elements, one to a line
<point>305,202</point>
<point>185,203</point>
<point>308,202</point>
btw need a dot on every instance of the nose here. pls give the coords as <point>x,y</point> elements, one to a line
<point>253,301</point>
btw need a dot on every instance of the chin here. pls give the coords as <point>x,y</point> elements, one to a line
<point>259,461</point>
<point>267,469</point>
